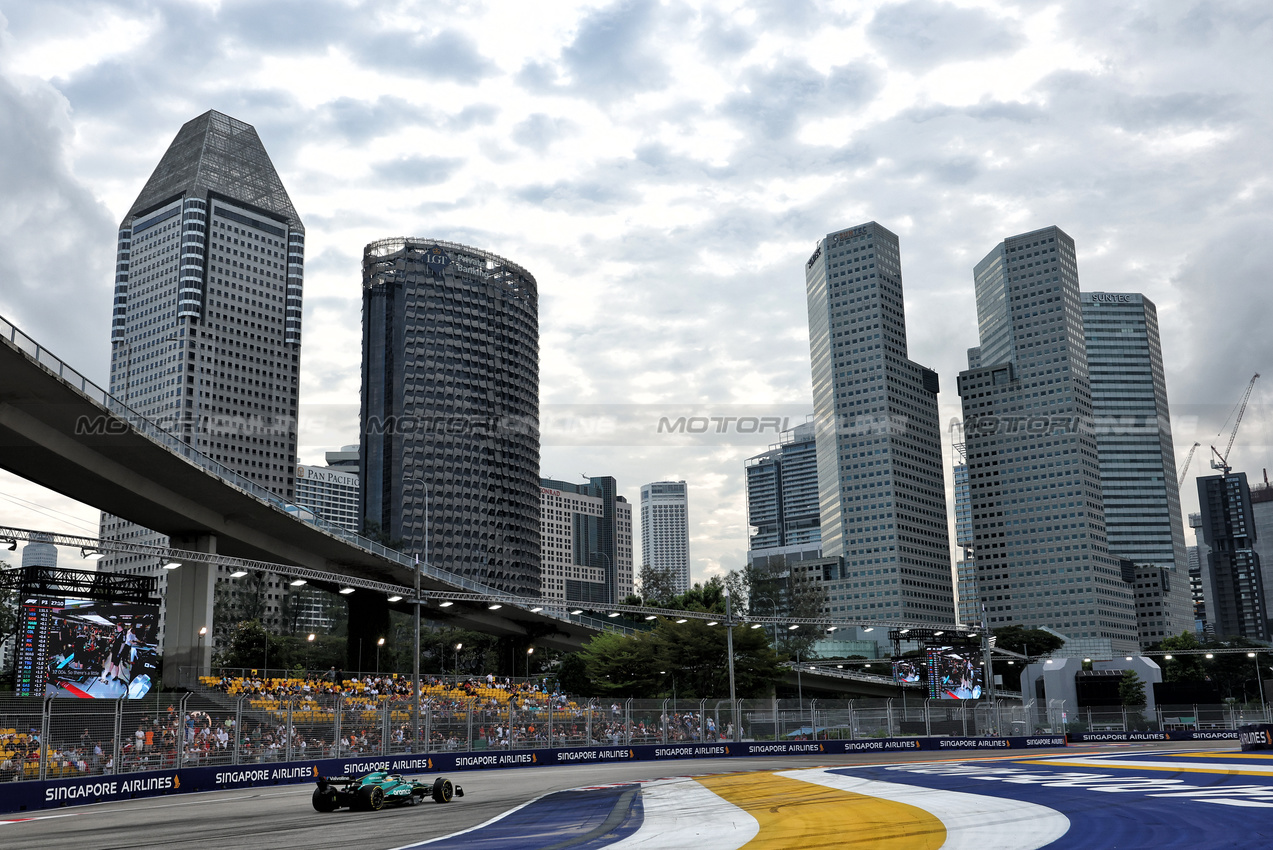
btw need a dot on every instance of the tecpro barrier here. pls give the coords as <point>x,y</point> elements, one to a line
<point>1257,736</point>
<point>26,796</point>
<point>1175,735</point>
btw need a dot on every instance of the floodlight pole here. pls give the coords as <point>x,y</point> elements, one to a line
<point>729,650</point>
<point>415,656</point>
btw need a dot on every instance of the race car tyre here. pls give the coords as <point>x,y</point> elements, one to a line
<point>443,790</point>
<point>371,798</point>
<point>325,800</point>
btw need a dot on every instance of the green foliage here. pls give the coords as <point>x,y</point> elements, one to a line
<point>1182,668</point>
<point>1131,690</point>
<point>779,589</point>
<point>1036,642</point>
<point>572,675</point>
<point>247,642</point>
<point>656,586</point>
<point>690,657</point>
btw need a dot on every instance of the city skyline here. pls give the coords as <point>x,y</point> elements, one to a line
<point>663,202</point>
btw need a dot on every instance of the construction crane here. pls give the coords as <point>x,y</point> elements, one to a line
<point>1188,460</point>
<point>1221,461</point>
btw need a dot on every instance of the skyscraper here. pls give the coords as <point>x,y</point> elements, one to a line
<point>206,331</point>
<point>450,409</point>
<point>331,492</point>
<point>1262,512</point>
<point>1034,480</point>
<point>586,531</point>
<point>1137,458</point>
<point>881,490</point>
<point>966,565</point>
<point>665,530</point>
<point>782,496</point>
<point>1236,603</point>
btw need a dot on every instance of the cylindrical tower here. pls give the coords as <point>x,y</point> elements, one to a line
<point>450,409</point>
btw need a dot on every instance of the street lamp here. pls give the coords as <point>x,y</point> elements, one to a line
<point>1255,659</point>
<point>458,647</point>
<point>530,650</point>
<point>203,631</point>
<point>309,642</point>
<point>415,656</point>
<point>379,644</point>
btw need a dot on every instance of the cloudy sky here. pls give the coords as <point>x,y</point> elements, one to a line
<point>664,169</point>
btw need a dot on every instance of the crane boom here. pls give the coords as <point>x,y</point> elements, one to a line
<point>1184,470</point>
<point>1223,463</point>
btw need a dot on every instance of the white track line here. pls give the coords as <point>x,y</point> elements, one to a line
<point>973,821</point>
<point>683,815</point>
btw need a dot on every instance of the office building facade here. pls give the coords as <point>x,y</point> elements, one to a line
<point>450,409</point>
<point>1137,457</point>
<point>967,599</point>
<point>1236,605</point>
<point>783,512</point>
<point>882,496</point>
<point>586,533</point>
<point>206,327</point>
<point>665,530</point>
<point>1034,478</point>
<point>1262,512</point>
<point>332,492</point>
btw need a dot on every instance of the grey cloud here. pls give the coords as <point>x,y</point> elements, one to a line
<point>577,195</point>
<point>922,34</point>
<point>539,131</point>
<point>418,170</point>
<point>614,55</point>
<point>59,242</point>
<point>446,55</point>
<point>777,99</point>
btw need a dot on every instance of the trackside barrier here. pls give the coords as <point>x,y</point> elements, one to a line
<point>1172,735</point>
<point>1256,736</point>
<point>29,796</point>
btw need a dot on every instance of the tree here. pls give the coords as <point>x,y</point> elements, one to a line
<point>1182,668</point>
<point>785,589</point>
<point>572,675</point>
<point>621,665</point>
<point>1036,642</point>
<point>657,585</point>
<point>1131,690</point>
<point>249,645</point>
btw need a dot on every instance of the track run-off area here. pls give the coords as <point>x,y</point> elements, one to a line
<point>1164,796</point>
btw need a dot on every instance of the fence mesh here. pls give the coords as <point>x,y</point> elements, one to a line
<point>51,738</point>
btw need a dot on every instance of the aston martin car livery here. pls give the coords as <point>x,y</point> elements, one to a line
<point>373,791</point>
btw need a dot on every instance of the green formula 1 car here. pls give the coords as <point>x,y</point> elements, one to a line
<point>373,791</point>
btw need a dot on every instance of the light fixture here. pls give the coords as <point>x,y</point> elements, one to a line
<point>1209,655</point>
<point>380,642</point>
<point>86,554</point>
<point>1250,655</point>
<point>832,628</point>
<point>494,606</point>
<point>938,634</point>
<point>869,629</point>
<point>297,582</point>
<point>972,634</point>
<point>682,620</point>
<point>1128,658</point>
<point>867,665</point>
<point>345,591</point>
<point>238,574</point>
<point>13,547</point>
<point>613,614</point>
<point>394,598</point>
<point>758,626</point>
<point>1166,658</point>
<point>1010,663</point>
<point>576,612</point>
<point>458,647</point>
<point>310,638</point>
<point>1087,661</point>
<point>203,630</point>
<point>793,627</point>
<point>904,631</point>
<point>530,650</point>
<point>650,617</point>
<point>839,666</point>
<point>536,609</point>
<point>171,565</point>
<point>714,623</point>
<point>446,604</point>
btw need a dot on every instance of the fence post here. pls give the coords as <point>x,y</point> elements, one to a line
<point>119,731</point>
<point>509,738</point>
<point>664,721</point>
<point>627,721</point>
<point>338,719</point>
<point>426,745</point>
<point>181,730</point>
<point>468,709</point>
<point>238,727</point>
<point>45,723</point>
<point>963,715</point>
<point>550,721</point>
<point>928,720</point>
<point>888,717</point>
<point>853,732</point>
<point>287,746</point>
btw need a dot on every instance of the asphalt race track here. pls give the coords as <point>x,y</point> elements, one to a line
<point>1165,796</point>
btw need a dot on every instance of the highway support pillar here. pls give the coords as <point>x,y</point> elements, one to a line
<point>187,609</point>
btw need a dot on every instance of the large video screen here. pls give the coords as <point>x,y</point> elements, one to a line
<point>908,671</point>
<point>87,649</point>
<point>952,674</point>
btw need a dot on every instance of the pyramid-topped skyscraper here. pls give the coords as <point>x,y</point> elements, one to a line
<point>206,329</point>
